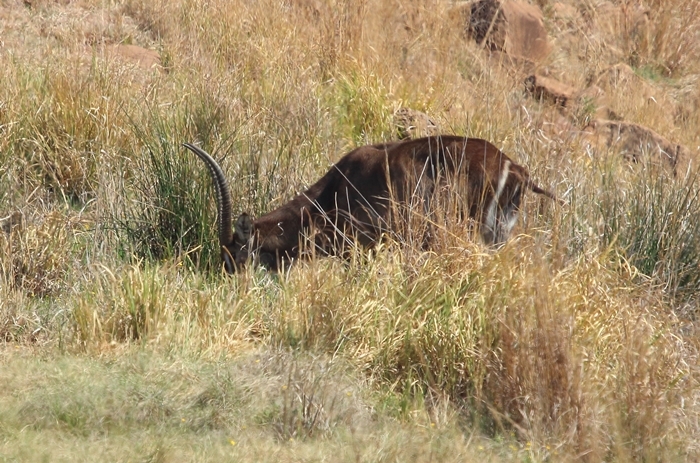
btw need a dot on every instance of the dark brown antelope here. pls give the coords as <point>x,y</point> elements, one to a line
<point>367,193</point>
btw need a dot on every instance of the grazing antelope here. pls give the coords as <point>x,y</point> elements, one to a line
<point>357,198</point>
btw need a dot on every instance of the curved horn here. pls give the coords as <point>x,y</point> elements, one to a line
<point>223,194</point>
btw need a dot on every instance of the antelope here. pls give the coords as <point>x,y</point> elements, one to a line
<point>356,199</point>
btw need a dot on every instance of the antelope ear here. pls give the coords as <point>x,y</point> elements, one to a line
<point>243,228</point>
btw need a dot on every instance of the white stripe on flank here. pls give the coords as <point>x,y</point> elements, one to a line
<point>490,222</point>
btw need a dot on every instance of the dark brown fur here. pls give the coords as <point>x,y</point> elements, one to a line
<point>359,197</point>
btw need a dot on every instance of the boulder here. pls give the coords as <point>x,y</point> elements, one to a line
<point>593,103</point>
<point>622,78</point>
<point>581,105</point>
<point>549,89</point>
<point>567,14</point>
<point>631,96</point>
<point>636,142</point>
<point>510,26</point>
<point>410,123</point>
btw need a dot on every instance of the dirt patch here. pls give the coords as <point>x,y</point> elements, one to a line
<point>143,57</point>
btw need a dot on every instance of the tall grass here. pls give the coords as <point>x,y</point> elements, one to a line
<point>649,216</point>
<point>660,233</point>
<point>165,209</point>
<point>669,42</point>
<point>453,328</point>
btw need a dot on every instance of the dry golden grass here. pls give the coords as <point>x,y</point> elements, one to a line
<point>122,340</point>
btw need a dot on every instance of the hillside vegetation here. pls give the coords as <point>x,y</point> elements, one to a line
<point>122,340</point>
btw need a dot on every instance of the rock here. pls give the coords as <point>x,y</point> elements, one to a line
<point>582,106</point>
<point>411,123</point>
<point>549,89</point>
<point>633,97</point>
<point>635,142</point>
<point>556,125</point>
<point>622,78</point>
<point>593,103</point>
<point>510,26</point>
<point>568,14</point>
